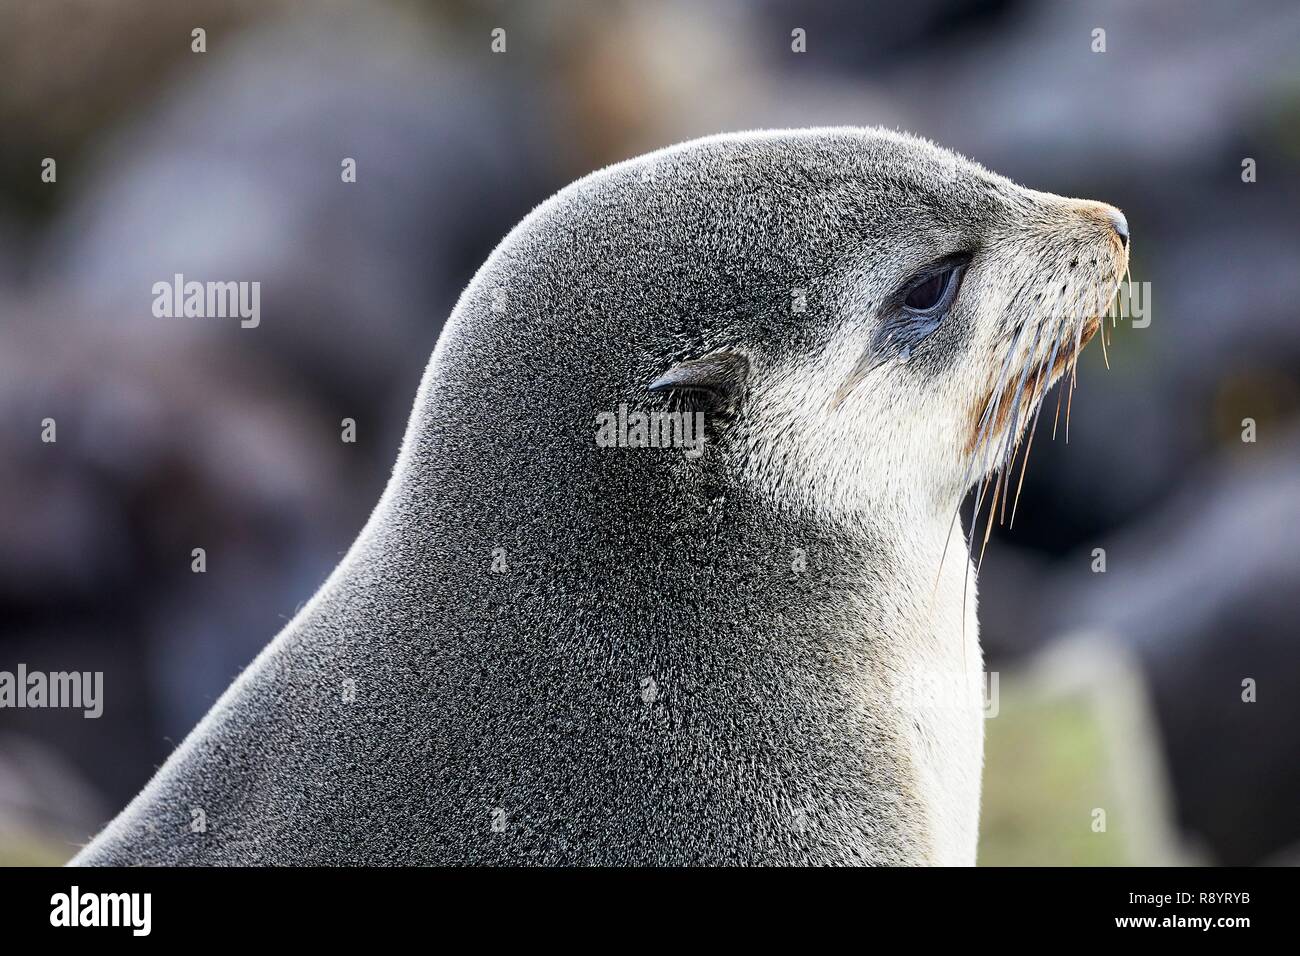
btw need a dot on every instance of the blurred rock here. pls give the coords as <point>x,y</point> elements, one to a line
<point>237,176</point>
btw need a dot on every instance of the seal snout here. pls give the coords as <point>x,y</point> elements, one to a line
<point>1119,224</point>
<point>1108,216</point>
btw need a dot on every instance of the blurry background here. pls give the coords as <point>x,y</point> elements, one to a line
<point>1120,691</point>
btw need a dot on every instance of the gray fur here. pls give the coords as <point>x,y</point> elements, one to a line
<point>650,680</point>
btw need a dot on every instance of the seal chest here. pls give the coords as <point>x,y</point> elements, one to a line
<point>573,639</point>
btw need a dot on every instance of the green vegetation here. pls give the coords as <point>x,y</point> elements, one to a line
<point>1045,772</point>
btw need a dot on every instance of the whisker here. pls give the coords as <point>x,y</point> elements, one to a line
<point>1060,392</point>
<point>1010,442</point>
<point>1102,332</point>
<point>1069,400</point>
<point>1020,386</point>
<point>980,458</point>
<point>1044,378</point>
<point>1024,465</point>
<point>984,435</point>
<point>1002,514</point>
<point>1128,279</point>
<point>988,527</point>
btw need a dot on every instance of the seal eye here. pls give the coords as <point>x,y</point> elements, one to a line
<point>933,291</point>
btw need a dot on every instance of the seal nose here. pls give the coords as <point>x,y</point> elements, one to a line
<point>1119,224</point>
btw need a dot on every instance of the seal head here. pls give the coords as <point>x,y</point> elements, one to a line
<point>565,638</point>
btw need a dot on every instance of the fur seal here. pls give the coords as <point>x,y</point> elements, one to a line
<point>545,648</point>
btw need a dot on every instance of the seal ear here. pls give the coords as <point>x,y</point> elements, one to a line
<point>713,382</point>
